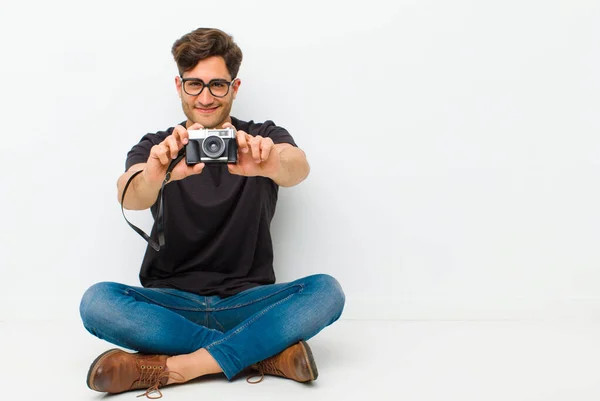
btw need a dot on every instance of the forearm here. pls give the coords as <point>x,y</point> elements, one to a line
<point>140,194</point>
<point>293,169</point>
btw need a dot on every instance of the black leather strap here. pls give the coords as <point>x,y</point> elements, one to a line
<point>159,221</point>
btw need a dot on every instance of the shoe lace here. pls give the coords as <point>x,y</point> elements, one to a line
<point>152,377</point>
<point>268,366</point>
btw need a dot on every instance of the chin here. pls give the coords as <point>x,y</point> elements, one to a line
<point>206,121</point>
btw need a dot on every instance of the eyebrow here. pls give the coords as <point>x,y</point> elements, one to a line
<point>214,79</point>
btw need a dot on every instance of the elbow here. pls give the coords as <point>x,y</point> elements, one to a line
<point>306,172</point>
<point>119,190</point>
<point>303,173</point>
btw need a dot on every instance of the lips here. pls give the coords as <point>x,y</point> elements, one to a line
<point>206,110</point>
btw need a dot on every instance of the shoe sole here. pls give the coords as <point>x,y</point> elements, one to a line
<point>94,366</point>
<point>312,366</point>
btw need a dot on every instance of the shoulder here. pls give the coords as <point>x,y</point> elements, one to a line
<point>140,151</point>
<point>157,137</point>
<point>254,128</point>
<point>267,129</point>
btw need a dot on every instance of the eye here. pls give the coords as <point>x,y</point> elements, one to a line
<point>194,84</point>
<point>218,85</point>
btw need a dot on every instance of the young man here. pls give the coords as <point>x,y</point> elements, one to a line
<point>208,302</point>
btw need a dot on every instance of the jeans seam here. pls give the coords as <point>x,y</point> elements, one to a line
<point>218,324</point>
<point>259,299</point>
<point>206,312</point>
<point>254,318</point>
<point>163,291</point>
<point>165,305</point>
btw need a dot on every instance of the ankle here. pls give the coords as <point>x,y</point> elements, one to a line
<point>191,366</point>
<point>176,370</point>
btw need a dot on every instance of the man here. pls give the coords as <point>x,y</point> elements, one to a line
<point>208,302</point>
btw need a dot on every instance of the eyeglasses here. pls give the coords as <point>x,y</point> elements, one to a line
<point>216,87</point>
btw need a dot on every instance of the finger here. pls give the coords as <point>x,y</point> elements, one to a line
<point>266,147</point>
<point>197,126</point>
<point>182,170</point>
<point>173,147</point>
<point>181,135</point>
<point>242,141</point>
<point>160,152</point>
<point>255,146</point>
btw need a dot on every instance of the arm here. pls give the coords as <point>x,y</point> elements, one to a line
<point>143,190</point>
<point>284,163</point>
<point>141,194</point>
<point>293,166</point>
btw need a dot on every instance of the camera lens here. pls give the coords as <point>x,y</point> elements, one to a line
<point>213,146</point>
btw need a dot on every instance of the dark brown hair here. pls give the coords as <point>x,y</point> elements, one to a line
<point>204,43</point>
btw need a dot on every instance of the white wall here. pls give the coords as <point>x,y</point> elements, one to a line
<point>454,147</point>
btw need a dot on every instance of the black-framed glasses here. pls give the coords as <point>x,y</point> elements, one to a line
<point>216,87</point>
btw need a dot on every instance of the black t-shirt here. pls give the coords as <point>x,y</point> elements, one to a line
<point>217,224</point>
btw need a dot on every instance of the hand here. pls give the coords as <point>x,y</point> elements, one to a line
<point>162,154</point>
<point>257,156</point>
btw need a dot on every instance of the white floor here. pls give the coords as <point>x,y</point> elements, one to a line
<point>384,360</point>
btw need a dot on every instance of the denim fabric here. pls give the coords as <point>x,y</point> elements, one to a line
<point>237,331</point>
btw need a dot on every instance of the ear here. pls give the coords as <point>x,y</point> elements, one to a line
<point>178,85</point>
<point>236,86</point>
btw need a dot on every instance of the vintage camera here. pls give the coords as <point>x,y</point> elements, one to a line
<point>211,146</point>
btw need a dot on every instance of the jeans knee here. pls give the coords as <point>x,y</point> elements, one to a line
<point>332,296</point>
<point>93,302</point>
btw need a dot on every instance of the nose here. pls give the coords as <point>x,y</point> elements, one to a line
<point>206,97</point>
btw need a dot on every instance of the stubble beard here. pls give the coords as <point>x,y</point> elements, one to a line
<point>215,121</point>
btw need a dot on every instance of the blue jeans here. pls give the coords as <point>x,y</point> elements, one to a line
<point>237,331</point>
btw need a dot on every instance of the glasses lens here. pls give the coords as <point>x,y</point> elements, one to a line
<point>219,88</point>
<point>193,87</point>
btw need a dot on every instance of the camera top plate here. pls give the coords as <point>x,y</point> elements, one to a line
<point>203,133</point>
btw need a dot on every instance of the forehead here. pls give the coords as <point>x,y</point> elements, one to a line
<point>210,68</point>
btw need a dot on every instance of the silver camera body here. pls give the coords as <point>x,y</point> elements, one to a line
<point>211,146</point>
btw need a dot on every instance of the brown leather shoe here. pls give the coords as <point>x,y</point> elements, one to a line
<point>116,371</point>
<point>296,363</point>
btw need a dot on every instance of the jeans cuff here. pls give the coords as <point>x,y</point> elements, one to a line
<point>221,359</point>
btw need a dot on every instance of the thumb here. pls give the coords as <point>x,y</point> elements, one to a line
<point>234,168</point>
<point>197,169</point>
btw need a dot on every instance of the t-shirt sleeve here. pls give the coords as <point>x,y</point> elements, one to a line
<point>277,134</point>
<point>141,151</point>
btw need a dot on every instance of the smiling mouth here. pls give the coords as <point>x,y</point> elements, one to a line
<point>206,110</point>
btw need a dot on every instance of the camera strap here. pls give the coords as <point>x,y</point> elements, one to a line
<point>160,226</point>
